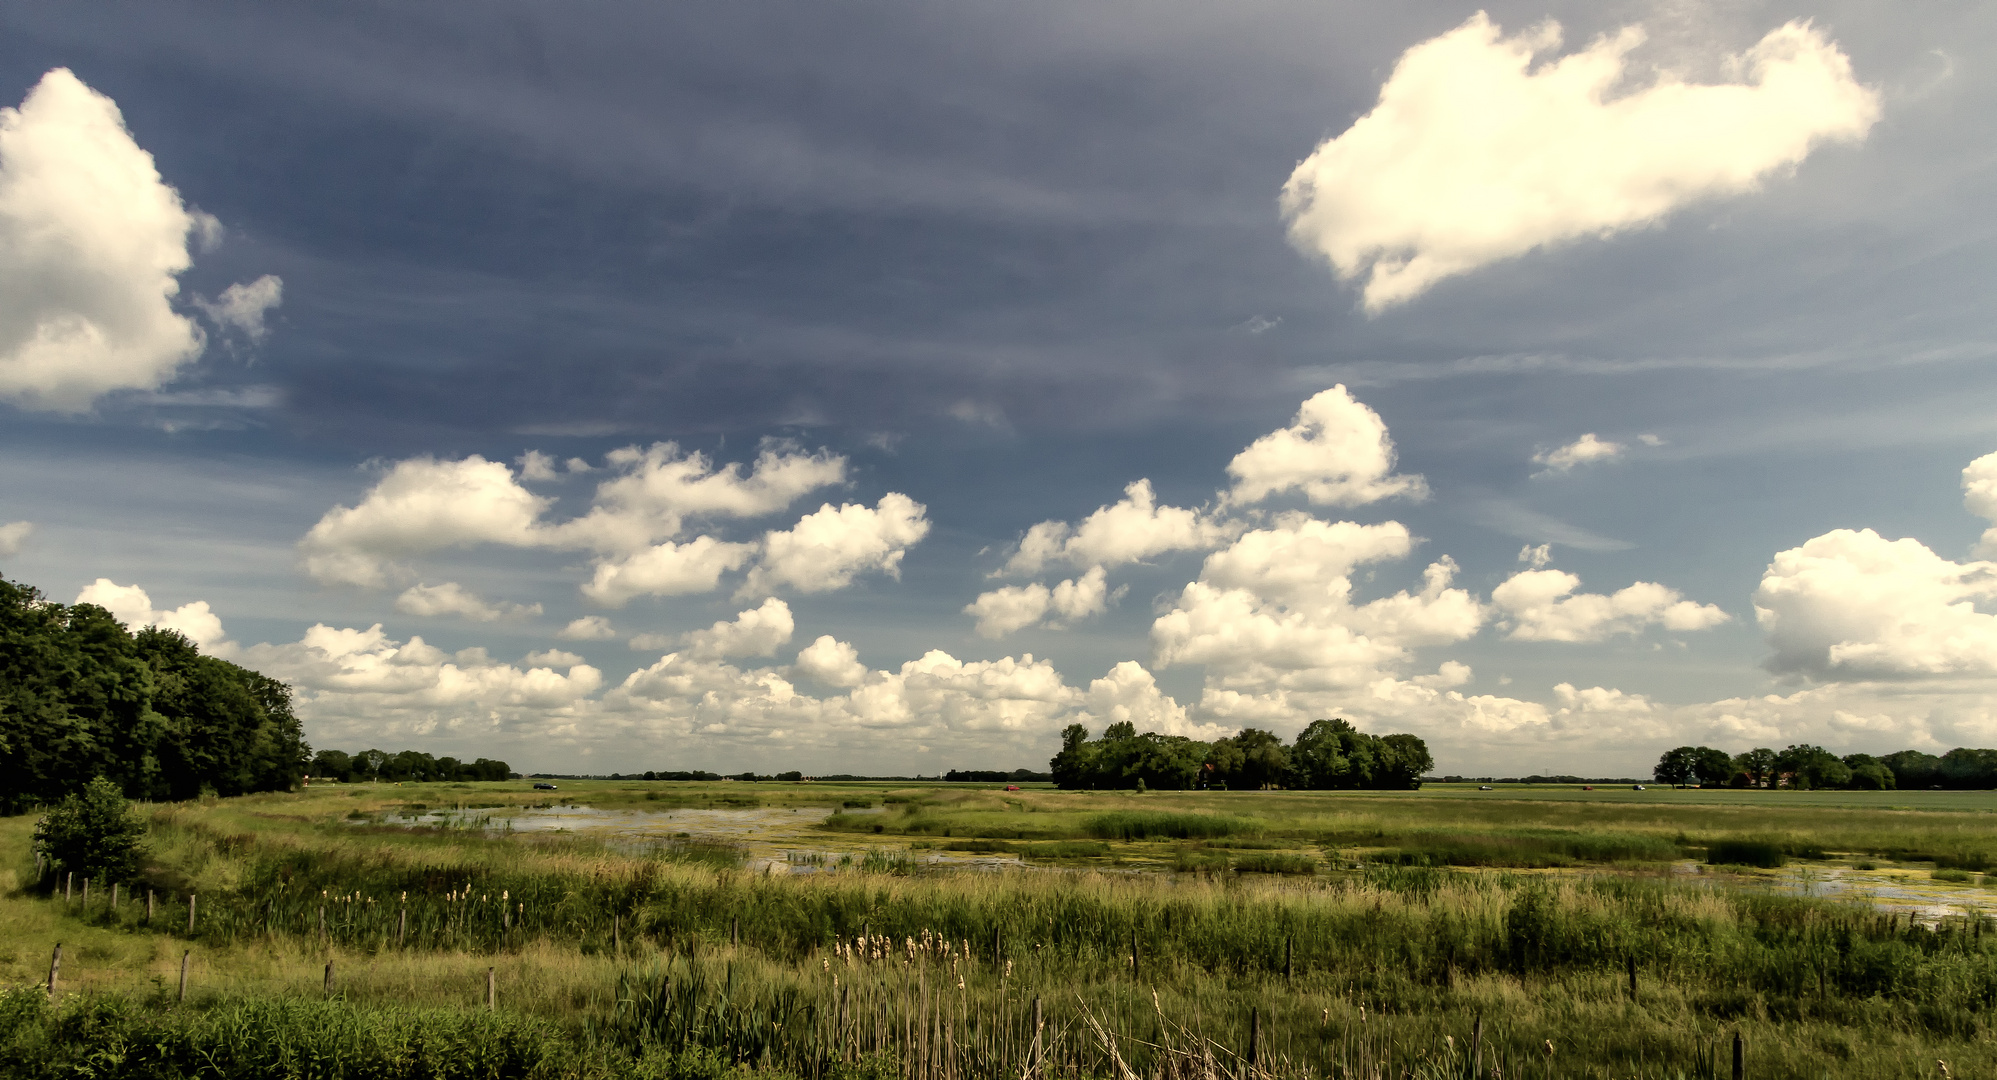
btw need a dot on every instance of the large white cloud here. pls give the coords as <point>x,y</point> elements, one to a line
<point>1854,605</point>
<point>92,241</point>
<point>1015,607</point>
<point>828,547</point>
<point>1336,452</point>
<point>1274,610</point>
<point>1541,605</point>
<point>422,505</point>
<point>1129,530</point>
<point>1979,494</point>
<point>667,569</point>
<point>1473,154</point>
<point>755,632</point>
<point>364,685</point>
<point>131,605</point>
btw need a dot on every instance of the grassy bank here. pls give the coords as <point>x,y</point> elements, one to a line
<point>627,961</point>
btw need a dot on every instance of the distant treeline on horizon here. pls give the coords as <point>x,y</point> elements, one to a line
<point>403,766</point>
<point>1803,766</point>
<point>954,776</point>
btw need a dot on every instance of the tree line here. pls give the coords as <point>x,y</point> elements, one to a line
<point>1327,754</point>
<point>406,766</point>
<point>81,697</point>
<point>1802,765</point>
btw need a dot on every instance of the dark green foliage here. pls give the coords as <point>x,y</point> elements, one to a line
<point>93,833</point>
<point>404,767</point>
<point>1161,824</point>
<point>1327,754</point>
<point>1747,852</point>
<point>80,697</point>
<point>1686,764</point>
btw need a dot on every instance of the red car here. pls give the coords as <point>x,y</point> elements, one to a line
<point>1012,787</point>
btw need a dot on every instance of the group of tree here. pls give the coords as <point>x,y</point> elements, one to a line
<point>1802,765</point>
<point>1327,754</point>
<point>81,697</point>
<point>405,767</point>
<point>995,776</point>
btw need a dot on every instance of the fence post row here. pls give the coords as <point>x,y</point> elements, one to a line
<point>55,967</point>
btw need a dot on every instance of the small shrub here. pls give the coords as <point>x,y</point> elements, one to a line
<point>1766,854</point>
<point>93,833</point>
<point>857,804</point>
<point>1956,877</point>
<point>1865,864</point>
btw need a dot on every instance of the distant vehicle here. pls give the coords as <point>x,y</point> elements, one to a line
<point>1587,787</point>
<point>1012,787</point>
<point>1484,787</point>
<point>1636,787</point>
<point>543,785</point>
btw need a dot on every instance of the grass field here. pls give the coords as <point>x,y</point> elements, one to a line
<point>1337,934</point>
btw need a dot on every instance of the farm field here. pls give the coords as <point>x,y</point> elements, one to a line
<point>683,929</point>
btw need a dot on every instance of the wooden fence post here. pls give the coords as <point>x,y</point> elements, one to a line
<point>329,976</point>
<point>1289,954</point>
<point>1135,971</point>
<point>55,967</point>
<point>183,975</point>
<point>735,932</point>
<point>190,914</point>
<point>68,883</point>
<point>322,922</point>
<point>149,907</point>
<point>1740,1057</point>
<point>491,990</point>
<point>1477,1047</point>
<point>113,909</point>
<point>1254,1040</point>
<point>1632,976</point>
<point>86,892</point>
<point>402,926</point>
<point>616,936</point>
<point>1035,1061</point>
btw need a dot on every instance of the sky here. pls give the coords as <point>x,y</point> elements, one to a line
<point>882,388</point>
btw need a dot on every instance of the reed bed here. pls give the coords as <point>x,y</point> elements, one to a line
<point>608,961</point>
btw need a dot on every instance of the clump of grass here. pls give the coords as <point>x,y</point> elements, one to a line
<point>1766,854</point>
<point>1167,825</point>
<point>1865,864</point>
<point>857,804</point>
<point>1275,862</point>
<point>1952,876</point>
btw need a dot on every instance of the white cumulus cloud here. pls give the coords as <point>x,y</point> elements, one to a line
<point>832,662</point>
<point>1979,494</point>
<point>131,605</point>
<point>421,505</point>
<point>1336,451</point>
<point>1541,605</point>
<point>1473,154</point>
<point>1854,605</point>
<point>828,547</point>
<point>1015,607</point>
<point>451,598</point>
<point>92,242</point>
<point>13,535</point>
<point>1581,451</point>
<point>667,569</point>
<point>1129,530</point>
<point>755,632</point>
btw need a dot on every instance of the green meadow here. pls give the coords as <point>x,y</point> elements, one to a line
<point>919,930</point>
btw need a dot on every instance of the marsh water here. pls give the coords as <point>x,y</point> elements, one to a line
<point>788,840</point>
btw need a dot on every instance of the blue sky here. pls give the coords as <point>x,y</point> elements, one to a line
<point>477,369</point>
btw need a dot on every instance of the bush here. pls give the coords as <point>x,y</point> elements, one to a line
<point>1766,854</point>
<point>1959,877</point>
<point>1275,862</point>
<point>93,833</point>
